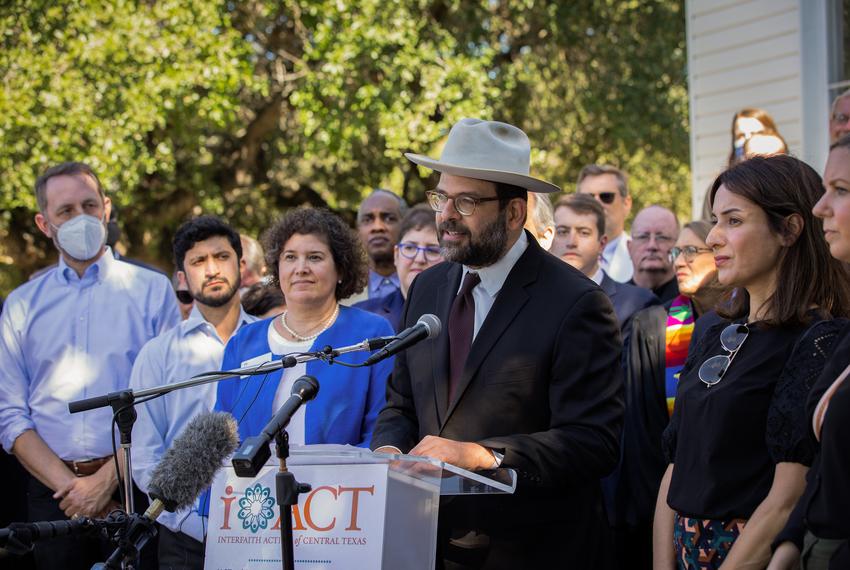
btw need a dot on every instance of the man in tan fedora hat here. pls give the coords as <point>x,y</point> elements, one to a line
<point>524,375</point>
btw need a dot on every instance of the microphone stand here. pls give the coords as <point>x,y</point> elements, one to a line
<point>125,417</point>
<point>122,403</point>
<point>287,489</point>
<point>127,397</point>
<point>253,454</point>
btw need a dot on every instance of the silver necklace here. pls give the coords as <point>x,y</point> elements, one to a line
<point>303,338</point>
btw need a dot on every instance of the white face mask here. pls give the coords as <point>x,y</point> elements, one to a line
<point>81,237</point>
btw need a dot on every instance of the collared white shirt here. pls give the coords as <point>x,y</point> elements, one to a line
<point>492,279</point>
<point>188,349</point>
<point>598,276</point>
<point>616,260</point>
<point>64,338</point>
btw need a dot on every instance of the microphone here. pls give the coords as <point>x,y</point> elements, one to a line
<point>185,470</point>
<point>369,345</point>
<point>191,463</point>
<point>254,452</point>
<point>303,390</point>
<point>428,326</point>
<point>19,538</point>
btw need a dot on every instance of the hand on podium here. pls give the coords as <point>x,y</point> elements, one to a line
<point>464,454</point>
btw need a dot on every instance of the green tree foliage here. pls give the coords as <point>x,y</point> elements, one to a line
<point>247,108</point>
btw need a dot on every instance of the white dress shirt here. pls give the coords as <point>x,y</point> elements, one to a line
<point>616,260</point>
<point>64,338</point>
<point>492,279</point>
<point>598,276</point>
<point>188,349</point>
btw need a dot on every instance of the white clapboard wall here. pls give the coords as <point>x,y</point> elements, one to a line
<point>750,53</point>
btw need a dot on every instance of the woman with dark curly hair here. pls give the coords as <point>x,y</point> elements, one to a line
<point>316,260</point>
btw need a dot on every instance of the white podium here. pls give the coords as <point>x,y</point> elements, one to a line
<point>365,511</point>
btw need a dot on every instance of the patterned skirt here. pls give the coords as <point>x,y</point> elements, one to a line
<point>703,544</point>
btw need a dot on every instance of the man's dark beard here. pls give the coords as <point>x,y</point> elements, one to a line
<point>483,251</point>
<point>220,299</point>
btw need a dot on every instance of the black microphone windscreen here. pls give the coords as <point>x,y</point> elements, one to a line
<point>307,387</point>
<point>432,322</point>
<point>191,463</point>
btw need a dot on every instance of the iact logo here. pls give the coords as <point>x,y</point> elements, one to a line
<point>256,508</point>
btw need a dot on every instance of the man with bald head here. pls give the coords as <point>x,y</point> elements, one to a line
<point>378,224</point>
<point>654,232</point>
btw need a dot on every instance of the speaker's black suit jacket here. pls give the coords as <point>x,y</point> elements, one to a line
<point>542,385</point>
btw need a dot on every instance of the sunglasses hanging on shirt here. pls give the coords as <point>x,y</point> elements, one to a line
<point>731,339</point>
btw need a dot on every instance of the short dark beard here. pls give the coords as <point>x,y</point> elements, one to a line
<point>483,251</point>
<point>221,299</point>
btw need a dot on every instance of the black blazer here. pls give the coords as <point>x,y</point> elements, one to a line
<point>542,385</point>
<point>627,300</point>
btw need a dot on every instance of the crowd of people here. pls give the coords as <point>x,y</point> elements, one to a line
<point>671,396</point>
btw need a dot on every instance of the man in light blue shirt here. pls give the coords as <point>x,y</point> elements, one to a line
<point>208,255</point>
<point>73,333</point>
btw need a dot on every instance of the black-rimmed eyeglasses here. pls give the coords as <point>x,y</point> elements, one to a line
<point>731,339</point>
<point>411,250</point>
<point>689,251</point>
<point>465,205</point>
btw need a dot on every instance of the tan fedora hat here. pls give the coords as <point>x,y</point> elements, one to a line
<point>486,150</point>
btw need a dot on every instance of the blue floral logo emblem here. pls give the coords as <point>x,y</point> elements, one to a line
<point>255,508</point>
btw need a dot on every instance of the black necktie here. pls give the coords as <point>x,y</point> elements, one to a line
<point>461,326</point>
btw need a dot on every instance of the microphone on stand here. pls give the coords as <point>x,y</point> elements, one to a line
<point>254,452</point>
<point>19,538</point>
<point>185,470</point>
<point>428,326</point>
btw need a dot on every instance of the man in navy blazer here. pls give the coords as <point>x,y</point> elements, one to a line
<point>580,240</point>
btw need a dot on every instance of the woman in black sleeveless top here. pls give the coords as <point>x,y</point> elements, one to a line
<point>737,444</point>
<point>819,527</point>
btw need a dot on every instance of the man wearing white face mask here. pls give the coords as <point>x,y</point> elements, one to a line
<point>73,333</point>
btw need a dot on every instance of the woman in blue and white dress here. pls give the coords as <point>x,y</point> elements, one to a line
<point>317,260</point>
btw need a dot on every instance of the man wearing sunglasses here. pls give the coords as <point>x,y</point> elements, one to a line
<point>524,375</point>
<point>609,185</point>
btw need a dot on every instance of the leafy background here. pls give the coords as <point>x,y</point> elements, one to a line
<point>247,108</point>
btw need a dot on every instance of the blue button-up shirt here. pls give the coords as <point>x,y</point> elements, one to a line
<point>63,338</point>
<point>381,286</point>
<point>190,348</point>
